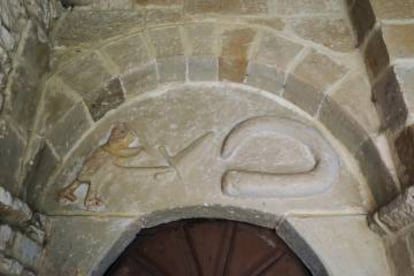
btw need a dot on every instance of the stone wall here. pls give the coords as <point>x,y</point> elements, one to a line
<point>24,50</point>
<point>22,236</point>
<point>385,32</point>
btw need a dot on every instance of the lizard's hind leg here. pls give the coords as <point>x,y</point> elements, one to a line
<point>69,191</point>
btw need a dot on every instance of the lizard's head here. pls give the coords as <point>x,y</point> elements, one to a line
<point>121,136</point>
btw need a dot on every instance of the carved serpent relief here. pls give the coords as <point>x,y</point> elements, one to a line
<point>261,157</point>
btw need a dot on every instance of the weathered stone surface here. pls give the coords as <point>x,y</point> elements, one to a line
<point>234,54</point>
<point>82,249</point>
<point>265,77</point>
<point>308,82</point>
<point>13,17</point>
<point>140,80</point>
<point>396,9</point>
<point>59,99</point>
<point>109,97</point>
<point>349,113</point>
<point>13,210</point>
<point>362,17</point>
<point>43,165</point>
<point>376,55</point>
<point>9,266</point>
<point>167,42</point>
<point>405,77</point>
<point>128,53</point>
<point>6,236</point>
<point>288,7</point>
<point>26,251</point>
<point>399,39</point>
<point>333,33</point>
<point>376,173</point>
<point>275,51</point>
<point>351,231</point>
<point>163,15</point>
<point>202,39</point>
<point>11,151</point>
<point>399,213</point>
<point>202,68</point>
<point>93,74</point>
<point>69,129</point>
<point>25,88</point>
<point>389,100</point>
<point>172,69</point>
<point>166,119</point>
<point>88,26</point>
<point>404,147</point>
<point>227,6</point>
<point>273,22</point>
<point>400,257</point>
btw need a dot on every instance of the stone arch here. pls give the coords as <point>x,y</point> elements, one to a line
<point>254,217</point>
<point>122,68</point>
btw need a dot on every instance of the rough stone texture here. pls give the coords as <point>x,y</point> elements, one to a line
<point>265,77</point>
<point>349,113</point>
<point>163,15</point>
<point>234,54</point>
<point>227,7</point>
<point>26,251</point>
<point>404,147</point>
<point>13,210</point>
<point>307,84</point>
<point>369,259</point>
<point>10,266</point>
<point>333,33</point>
<point>405,77</point>
<point>139,80</point>
<point>275,51</point>
<point>362,17</point>
<point>378,177</point>
<point>69,129</point>
<point>44,163</point>
<point>93,75</point>
<point>287,7</point>
<point>106,98</point>
<point>11,151</point>
<point>396,9</point>
<point>6,236</point>
<point>128,53</point>
<point>202,39</point>
<point>400,212</point>
<point>202,68</point>
<point>399,39</point>
<point>376,55</point>
<point>25,88</point>
<point>167,42</point>
<point>389,101</point>
<point>172,69</point>
<point>400,254</point>
<point>69,244</point>
<point>87,26</point>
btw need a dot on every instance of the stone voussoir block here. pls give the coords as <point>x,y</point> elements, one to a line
<point>202,39</point>
<point>396,9</point>
<point>399,39</point>
<point>6,236</point>
<point>275,51</point>
<point>389,100</point>
<point>349,113</point>
<point>167,42</point>
<point>376,55</point>
<point>89,26</point>
<point>140,80</point>
<point>306,85</point>
<point>404,147</point>
<point>333,33</point>
<point>362,17</point>
<point>69,129</point>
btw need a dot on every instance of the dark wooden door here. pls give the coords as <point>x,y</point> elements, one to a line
<point>208,248</point>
